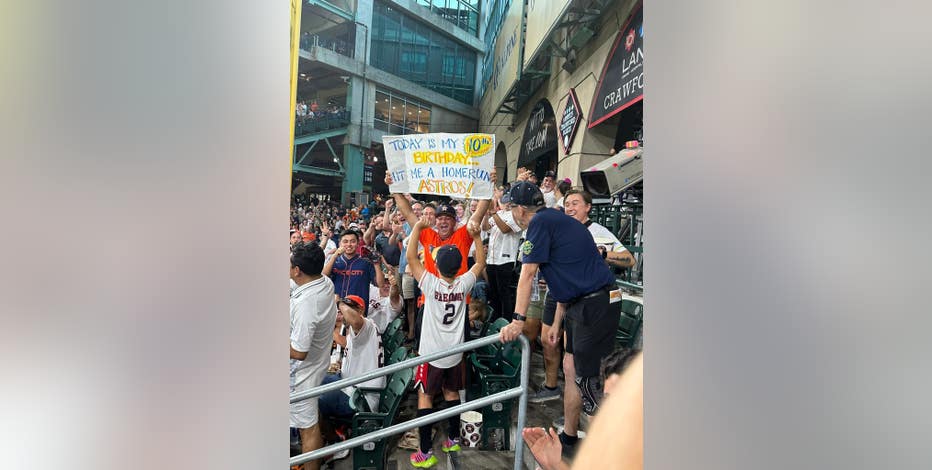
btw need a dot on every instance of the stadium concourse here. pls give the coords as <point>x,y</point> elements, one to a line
<point>356,306</point>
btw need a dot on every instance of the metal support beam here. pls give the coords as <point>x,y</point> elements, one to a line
<point>314,170</point>
<point>311,147</point>
<point>332,151</point>
<point>304,139</point>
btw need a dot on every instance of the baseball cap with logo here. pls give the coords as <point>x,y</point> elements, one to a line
<point>524,193</point>
<point>448,259</point>
<point>446,209</point>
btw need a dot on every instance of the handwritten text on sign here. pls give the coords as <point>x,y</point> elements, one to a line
<point>454,165</point>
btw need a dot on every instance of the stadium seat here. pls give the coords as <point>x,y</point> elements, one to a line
<point>398,355</point>
<point>492,375</point>
<point>629,325</point>
<point>371,455</point>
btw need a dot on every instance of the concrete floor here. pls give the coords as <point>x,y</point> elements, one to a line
<point>542,414</point>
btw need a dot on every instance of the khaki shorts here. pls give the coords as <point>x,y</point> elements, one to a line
<point>536,308</point>
<point>408,286</point>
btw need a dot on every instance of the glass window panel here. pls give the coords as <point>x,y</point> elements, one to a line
<point>396,113</point>
<point>381,109</point>
<point>424,119</point>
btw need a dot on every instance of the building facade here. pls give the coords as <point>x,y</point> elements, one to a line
<point>559,83</point>
<point>563,83</point>
<point>369,68</point>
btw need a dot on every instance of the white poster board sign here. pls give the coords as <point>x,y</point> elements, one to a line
<point>441,164</point>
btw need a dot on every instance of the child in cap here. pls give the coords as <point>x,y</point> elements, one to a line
<point>442,326</point>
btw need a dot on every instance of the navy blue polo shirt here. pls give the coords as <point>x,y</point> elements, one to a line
<point>352,276</point>
<point>567,255</point>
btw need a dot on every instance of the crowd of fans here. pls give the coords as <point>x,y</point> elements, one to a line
<point>530,254</point>
<point>308,40</point>
<point>312,112</point>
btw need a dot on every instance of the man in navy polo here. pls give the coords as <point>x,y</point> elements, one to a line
<point>578,279</point>
<point>352,274</point>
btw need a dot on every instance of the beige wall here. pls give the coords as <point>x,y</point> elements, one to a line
<point>584,79</point>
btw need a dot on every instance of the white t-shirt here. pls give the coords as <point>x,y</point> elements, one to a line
<point>313,315</point>
<point>381,310</point>
<point>445,309</point>
<point>550,199</point>
<point>503,247</point>
<point>362,356</point>
<point>604,237</point>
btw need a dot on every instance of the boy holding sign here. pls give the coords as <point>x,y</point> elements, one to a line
<point>444,324</point>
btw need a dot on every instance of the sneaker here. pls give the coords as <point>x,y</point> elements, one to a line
<point>545,394</point>
<point>451,445</point>
<point>422,460</point>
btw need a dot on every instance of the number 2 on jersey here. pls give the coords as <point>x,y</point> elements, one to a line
<point>450,310</point>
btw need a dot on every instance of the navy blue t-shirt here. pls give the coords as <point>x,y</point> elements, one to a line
<point>352,277</point>
<point>567,255</point>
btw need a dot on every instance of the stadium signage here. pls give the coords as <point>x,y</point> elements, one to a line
<point>622,80</point>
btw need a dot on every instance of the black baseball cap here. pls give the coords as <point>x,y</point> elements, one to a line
<point>448,259</point>
<point>392,254</point>
<point>446,209</point>
<point>524,193</point>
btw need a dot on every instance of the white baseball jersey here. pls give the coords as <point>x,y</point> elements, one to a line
<point>363,349</point>
<point>445,310</point>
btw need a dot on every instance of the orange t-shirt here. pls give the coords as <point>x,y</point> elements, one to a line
<point>430,239</point>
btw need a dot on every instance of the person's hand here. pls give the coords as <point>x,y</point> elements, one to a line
<point>388,179</point>
<point>340,251</point>
<point>473,228</point>
<point>510,332</point>
<point>554,335</point>
<point>392,276</point>
<point>397,228</point>
<point>521,174</point>
<point>389,203</point>
<point>545,446</point>
<point>422,223</point>
<point>494,176</point>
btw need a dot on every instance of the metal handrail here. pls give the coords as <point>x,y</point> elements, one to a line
<point>517,392</point>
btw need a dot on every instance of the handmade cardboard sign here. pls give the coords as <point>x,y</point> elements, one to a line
<point>454,165</point>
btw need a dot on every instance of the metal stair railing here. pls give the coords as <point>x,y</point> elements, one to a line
<point>516,392</point>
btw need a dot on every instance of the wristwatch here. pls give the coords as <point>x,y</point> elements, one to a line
<point>518,316</point>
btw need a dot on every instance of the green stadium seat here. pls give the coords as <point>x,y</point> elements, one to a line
<point>371,455</point>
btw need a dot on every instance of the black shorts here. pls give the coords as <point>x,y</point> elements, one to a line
<point>591,326</point>
<point>550,310</point>
<point>432,380</point>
